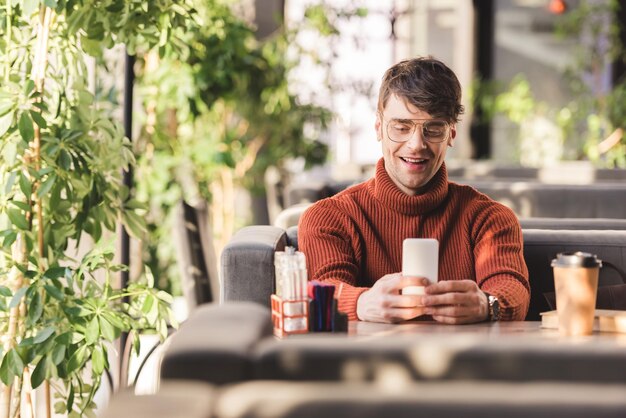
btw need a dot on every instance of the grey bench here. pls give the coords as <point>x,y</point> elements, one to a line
<point>248,260</point>
<point>267,399</point>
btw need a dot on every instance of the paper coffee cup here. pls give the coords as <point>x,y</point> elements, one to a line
<point>576,286</point>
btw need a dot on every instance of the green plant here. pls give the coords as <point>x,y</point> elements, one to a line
<point>60,180</point>
<point>592,125</point>
<point>597,112</point>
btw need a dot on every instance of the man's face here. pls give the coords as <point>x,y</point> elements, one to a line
<point>411,164</point>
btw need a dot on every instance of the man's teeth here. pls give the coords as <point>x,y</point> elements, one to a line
<point>413,160</point>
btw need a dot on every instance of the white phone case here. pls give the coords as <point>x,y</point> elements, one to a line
<point>420,258</point>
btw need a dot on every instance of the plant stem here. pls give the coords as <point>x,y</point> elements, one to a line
<point>39,72</point>
<point>228,184</point>
<point>5,401</point>
<point>27,389</point>
<point>41,62</point>
<point>123,295</point>
<point>48,399</point>
<point>17,279</point>
<point>9,35</point>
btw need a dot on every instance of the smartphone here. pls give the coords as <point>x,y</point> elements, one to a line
<point>420,258</point>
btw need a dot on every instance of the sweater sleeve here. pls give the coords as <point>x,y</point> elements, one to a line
<point>329,240</point>
<point>499,260</point>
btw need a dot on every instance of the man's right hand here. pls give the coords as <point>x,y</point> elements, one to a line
<point>384,303</point>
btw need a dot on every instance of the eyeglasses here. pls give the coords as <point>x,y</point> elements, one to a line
<point>433,130</point>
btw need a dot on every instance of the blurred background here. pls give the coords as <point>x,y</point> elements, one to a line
<point>230,105</point>
<point>258,95</point>
<point>179,122</point>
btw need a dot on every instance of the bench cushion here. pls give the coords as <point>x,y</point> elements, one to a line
<point>214,345</point>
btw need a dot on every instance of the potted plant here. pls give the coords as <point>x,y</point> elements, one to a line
<point>60,181</point>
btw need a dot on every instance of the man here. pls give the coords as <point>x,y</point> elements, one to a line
<point>354,239</point>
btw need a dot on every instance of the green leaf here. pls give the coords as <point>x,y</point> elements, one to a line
<point>78,359</point>
<point>107,329</point>
<point>12,365</point>
<point>21,205</point>
<point>5,122</point>
<point>39,120</point>
<point>25,185</point>
<point>18,219</point>
<point>25,125</point>
<point>44,334</point>
<point>135,224</point>
<point>92,47</point>
<point>50,3</point>
<point>92,332</point>
<point>153,315</point>
<point>35,309</point>
<point>115,320</point>
<point>17,297</point>
<point>54,292</point>
<point>77,337</point>
<point>64,339</point>
<point>165,297</point>
<point>55,273</point>
<point>5,291</point>
<point>70,399</point>
<point>5,106</point>
<point>41,106</point>
<point>65,161</point>
<point>29,86</point>
<point>6,376</point>
<point>9,239</point>
<point>97,360</point>
<point>58,354</point>
<point>40,373</point>
<point>147,304</point>
<point>60,408</point>
<point>27,342</point>
<point>46,186</point>
<point>150,277</point>
<point>42,172</point>
<point>31,274</point>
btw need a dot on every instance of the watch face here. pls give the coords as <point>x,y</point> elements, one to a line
<point>495,308</point>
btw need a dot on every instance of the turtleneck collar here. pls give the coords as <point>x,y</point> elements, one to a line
<point>385,190</point>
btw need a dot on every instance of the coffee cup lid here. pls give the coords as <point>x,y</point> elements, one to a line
<point>576,259</point>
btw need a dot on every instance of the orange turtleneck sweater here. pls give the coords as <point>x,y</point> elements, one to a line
<point>355,237</point>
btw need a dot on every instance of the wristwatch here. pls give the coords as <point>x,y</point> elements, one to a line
<point>494,313</point>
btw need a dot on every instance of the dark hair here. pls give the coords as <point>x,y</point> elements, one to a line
<point>427,84</point>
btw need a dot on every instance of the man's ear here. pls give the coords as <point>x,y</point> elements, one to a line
<point>377,126</point>
<point>452,136</point>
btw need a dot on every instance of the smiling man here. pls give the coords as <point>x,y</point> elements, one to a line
<point>354,239</point>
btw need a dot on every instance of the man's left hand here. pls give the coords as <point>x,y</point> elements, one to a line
<point>456,302</point>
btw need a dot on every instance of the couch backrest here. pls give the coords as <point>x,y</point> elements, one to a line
<point>527,198</point>
<point>541,246</point>
<point>534,199</point>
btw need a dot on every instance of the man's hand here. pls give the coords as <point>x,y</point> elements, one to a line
<point>384,303</point>
<point>456,302</point>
